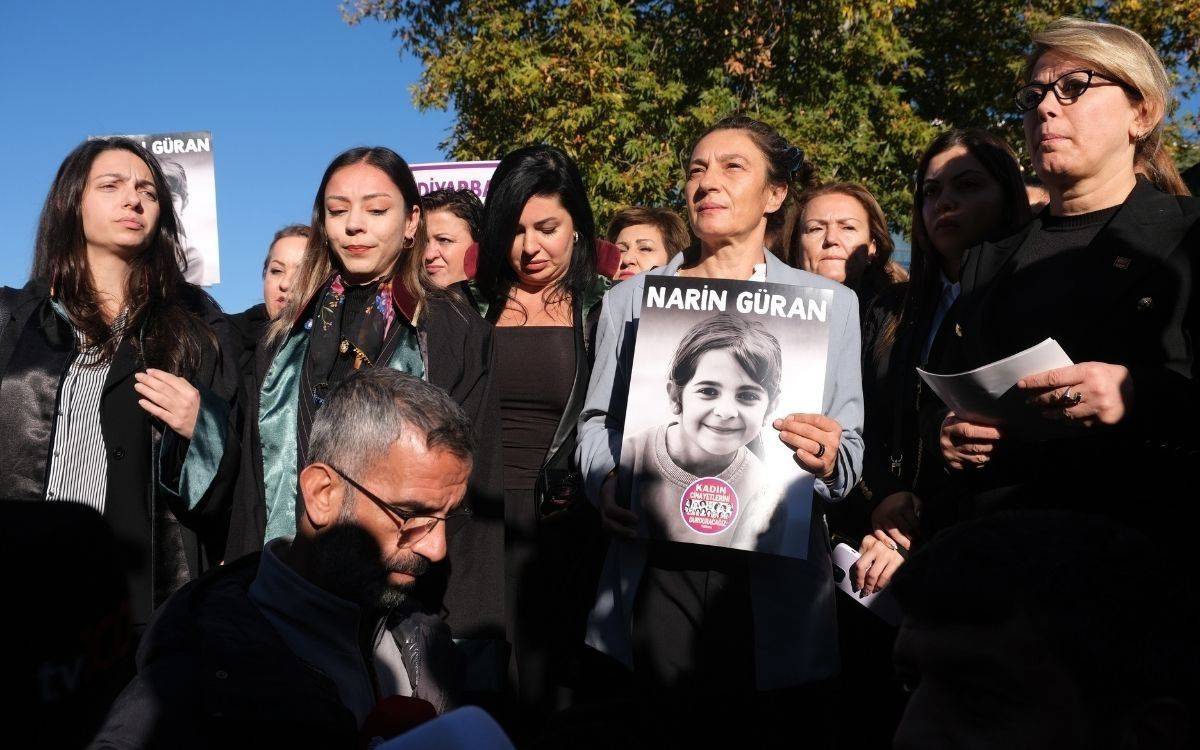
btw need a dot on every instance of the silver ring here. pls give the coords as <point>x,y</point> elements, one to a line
<point>820,450</point>
<point>892,546</point>
<point>1071,398</point>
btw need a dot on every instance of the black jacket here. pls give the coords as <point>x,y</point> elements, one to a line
<point>212,672</point>
<point>903,416</point>
<point>250,325</point>
<point>1134,302</point>
<point>470,583</point>
<point>168,542</point>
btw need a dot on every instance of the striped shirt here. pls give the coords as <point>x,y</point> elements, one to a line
<point>78,459</point>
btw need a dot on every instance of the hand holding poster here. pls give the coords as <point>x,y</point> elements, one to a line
<point>715,363</point>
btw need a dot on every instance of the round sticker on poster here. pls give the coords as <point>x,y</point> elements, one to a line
<point>709,506</point>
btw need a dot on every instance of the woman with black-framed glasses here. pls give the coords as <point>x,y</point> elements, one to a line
<point>1107,269</point>
<point>1067,88</point>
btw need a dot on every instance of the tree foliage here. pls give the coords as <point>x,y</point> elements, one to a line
<point>860,85</point>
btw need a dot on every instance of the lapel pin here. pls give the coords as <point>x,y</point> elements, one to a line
<point>1121,263</point>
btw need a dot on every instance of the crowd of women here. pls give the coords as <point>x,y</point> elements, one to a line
<point>129,390</point>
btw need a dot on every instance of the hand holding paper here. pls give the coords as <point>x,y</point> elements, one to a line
<point>1104,393</point>
<point>967,444</point>
<point>989,395</point>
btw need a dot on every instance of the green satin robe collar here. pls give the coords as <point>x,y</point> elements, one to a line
<point>278,415</point>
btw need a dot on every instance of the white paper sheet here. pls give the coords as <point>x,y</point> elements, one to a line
<point>989,394</point>
<point>882,604</point>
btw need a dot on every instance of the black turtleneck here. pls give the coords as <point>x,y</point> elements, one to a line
<point>1044,278</point>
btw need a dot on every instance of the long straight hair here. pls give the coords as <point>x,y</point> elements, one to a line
<point>320,261</point>
<point>522,174</point>
<point>999,161</point>
<point>155,292</point>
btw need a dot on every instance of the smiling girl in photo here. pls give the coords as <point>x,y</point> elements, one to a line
<point>724,383</point>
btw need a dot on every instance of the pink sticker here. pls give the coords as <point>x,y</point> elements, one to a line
<point>709,505</point>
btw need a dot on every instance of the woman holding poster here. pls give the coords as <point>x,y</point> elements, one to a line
<point>692,620</point>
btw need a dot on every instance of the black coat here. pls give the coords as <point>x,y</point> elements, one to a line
<point>168,543</point>
<point>250,325</point>
<point>470,583</point>
<point>1134,302</point>
<point>213,672</point>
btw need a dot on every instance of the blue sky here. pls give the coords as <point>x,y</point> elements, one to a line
<point>282,86</point>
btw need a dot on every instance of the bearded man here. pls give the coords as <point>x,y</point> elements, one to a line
<point>311,641</point>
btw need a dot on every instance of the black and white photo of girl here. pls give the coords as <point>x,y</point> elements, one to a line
<point>695,458</point>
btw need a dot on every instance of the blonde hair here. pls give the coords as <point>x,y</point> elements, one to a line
<point>1123,56</point>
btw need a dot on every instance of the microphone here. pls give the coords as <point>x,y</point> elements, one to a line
<point>393,716</point>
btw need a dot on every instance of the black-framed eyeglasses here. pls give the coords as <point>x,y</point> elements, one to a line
<point>1067,88</point>
<point>413,526</point>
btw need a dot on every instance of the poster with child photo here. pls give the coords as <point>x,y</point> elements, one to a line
<point>715,363</point>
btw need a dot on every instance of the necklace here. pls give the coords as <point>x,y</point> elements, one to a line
<point>359,355</point>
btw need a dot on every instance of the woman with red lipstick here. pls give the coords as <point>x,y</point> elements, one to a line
<point>751,634</point>
<point>1108,270</point>
<point>359,300</point>
<point>538,285</point>
<point>113,368</point>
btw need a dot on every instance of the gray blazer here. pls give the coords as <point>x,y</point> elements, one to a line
<point>794,626</point>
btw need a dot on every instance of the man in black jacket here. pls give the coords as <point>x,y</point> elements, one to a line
<point>310,641</point>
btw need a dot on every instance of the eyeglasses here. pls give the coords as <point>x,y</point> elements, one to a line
<point>1067,88</point>
<point>413,526</point>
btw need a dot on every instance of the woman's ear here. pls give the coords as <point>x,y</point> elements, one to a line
<point>776,195</point>
<point>323,493</point>
<point>673,394</point>
<point>413,223</point>
<point>1147,118</point>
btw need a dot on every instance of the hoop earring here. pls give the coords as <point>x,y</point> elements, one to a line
<point>409,243</point>
<point>575,238</point>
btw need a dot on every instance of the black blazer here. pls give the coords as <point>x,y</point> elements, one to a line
<point>167,542</point>
<point>1133,303</point>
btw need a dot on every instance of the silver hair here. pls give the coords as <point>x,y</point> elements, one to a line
<point>373,408</point>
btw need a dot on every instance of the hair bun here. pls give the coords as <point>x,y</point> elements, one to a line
<point>795,159</point>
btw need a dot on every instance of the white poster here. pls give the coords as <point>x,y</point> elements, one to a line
<point>187,162</point>
<point>715,363</point>
<point>475,176</point>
